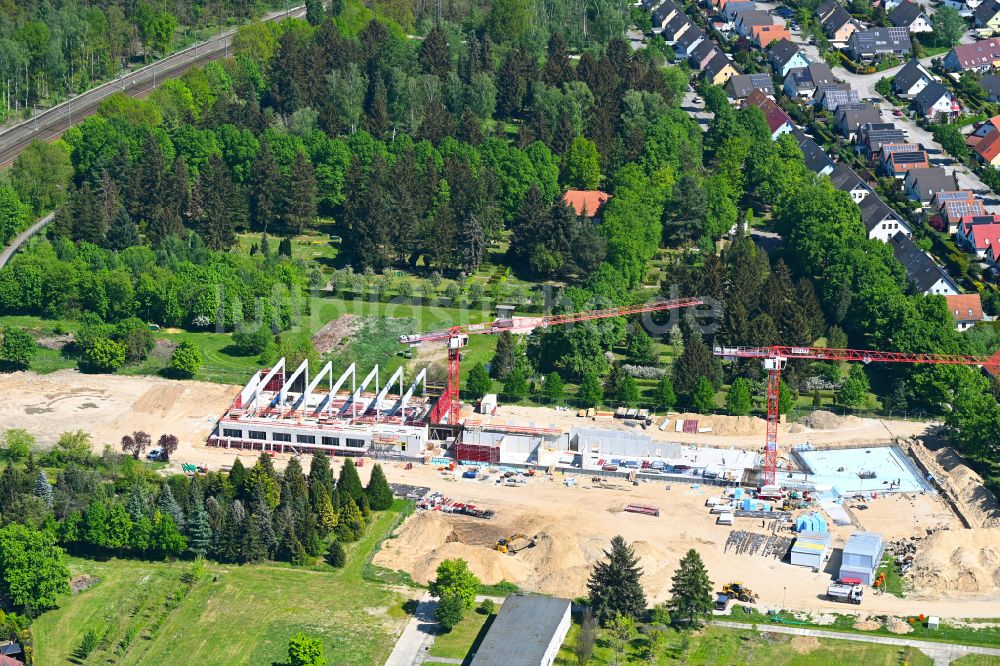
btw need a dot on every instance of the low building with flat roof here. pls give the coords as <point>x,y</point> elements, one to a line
<point>527,631</point>
<point>811,549</point>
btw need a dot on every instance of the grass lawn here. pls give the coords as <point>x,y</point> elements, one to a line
<point>716,645</point>
<point>234,615</point>
<point>457,643</point>
<point>976,660</point>
<point>893,580</point>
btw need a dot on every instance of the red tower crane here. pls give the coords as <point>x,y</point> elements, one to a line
<point>775,358</point>
<point>457,337</point>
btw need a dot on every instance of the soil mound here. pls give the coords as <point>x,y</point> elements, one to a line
<point>981,505</point>
<point>824,420</point>
<point>728,425</point>
<point>897,626</point>
<point>958,561</point>
<point>335,331</point>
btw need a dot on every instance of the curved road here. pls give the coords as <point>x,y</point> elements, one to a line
<point>51,123</point>
<point>22,238</point>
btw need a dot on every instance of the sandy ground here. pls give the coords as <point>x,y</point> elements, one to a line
<point>109,406</point>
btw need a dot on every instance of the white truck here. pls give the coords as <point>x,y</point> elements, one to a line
<point>848,593</point>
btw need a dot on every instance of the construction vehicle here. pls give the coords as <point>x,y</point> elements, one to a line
<point>776,357</point>
<point>515,543</point>
<point>740,592</point>
<point>848,593</point>
<point>457,337</point>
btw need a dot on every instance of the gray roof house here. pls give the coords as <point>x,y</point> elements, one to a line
<point>871,44</point>
<point>747,19</point>
<point>882,222</point>
<point>991,84</point>
<point>935,101</point>
<point>835,20</point>
<point>831,95</point>
<point>731,9</point>
<point>845,179</point>
<point>688,40</point>
<point>675,27</point>
<point>815,159</point>
<point>910,16</point>
<point>663,14</point>
<point>528,631</point>
<point>741,85</point>
<point>921,271</point>
<point>785,56</point>
<point>984,14</point>
<point>702,54</point>
<point>871,136</point>
<point>798,83</point>
<point>923,183</point>
<point>910,80</point>
<point>852,115</point>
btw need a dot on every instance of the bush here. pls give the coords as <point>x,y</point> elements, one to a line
<point>335,555</point>
<point>18,348</point>
<point>186,359</point>
<point>104,355</point>
<point>487,607</point>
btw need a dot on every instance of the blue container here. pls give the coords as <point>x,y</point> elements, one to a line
<point>738,493</point>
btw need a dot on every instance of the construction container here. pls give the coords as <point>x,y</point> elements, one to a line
<point>934,622</point>
<point>711,501</point>
<point>811,549</point>
<point>862,556</point>
<point>725,518</point>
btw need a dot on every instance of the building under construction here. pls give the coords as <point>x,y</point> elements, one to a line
<point>301,413</point>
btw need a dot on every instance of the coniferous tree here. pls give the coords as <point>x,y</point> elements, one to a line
<point>168,505</point>
<point>137,504</point>
<point>350,522</point>
<point>265,188</point>
<point>558,69</point>
<point>199,531</point>
<point>222,207</point>
<point>694,362</point>
<point>299,206</point>
<point>505,357</point>
<point>434,54</point>
<point>43,489</point>
<point>349,484</point>
<point>321,472</point>
<point>378,492</point>
<point>123,232</point>
<point>314,12</point>
<point>376,108</point>
<point>238,477</point>
<point>614,585</point>
<point>149,183</point>
<point>335,555</point>
<point>691,592</point>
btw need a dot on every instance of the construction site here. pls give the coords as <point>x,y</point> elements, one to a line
<point>532,495</point>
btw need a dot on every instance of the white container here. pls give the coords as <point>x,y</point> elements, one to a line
<point>724,519</point>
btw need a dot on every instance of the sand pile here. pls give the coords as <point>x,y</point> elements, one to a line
<point>958,561</point>
<point>897,626</point>
<point>867,625</point>
<point>824,420</point>
<point>728,425</point>
<point>979,504</point>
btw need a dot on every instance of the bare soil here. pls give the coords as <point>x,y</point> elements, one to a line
<point>335,332</point>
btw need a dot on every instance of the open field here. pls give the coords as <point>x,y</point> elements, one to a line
<point>715,645</point>
<point>234,615</point>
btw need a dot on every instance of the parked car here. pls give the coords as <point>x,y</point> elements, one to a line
<point>898,113</point>
<point>154,454</point>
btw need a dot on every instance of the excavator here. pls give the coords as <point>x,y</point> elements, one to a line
<point>739,591</point>
<point>515,543</point>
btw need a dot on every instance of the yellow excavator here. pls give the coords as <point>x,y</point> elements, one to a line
<point>515,543</point>
<point>740,592</point>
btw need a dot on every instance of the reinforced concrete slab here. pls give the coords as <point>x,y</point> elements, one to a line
<point>877,468</point>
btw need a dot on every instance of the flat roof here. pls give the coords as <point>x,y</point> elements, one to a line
<point>864,543</point>
<point>522,630</point>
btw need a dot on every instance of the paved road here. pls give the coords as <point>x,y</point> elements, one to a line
<point>50,124</point>
<point>22,237</point>
<point>941,653</point>
<point>417,636</point>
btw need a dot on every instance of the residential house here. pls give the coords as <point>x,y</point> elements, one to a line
<point>901,162</point>
<point>676,27</point>
<point>877,42</point>
<point>886,151</point>
<point>976,233</point>
<point>955,205</point>
<point>991,84</point>
<point>7,660</point>
<point>831,95</point>
<point>846,180</point>
<point>888,4</point>
<point>872,136</point>
<point>719,69</point>
<point>881,222</point>
<point>839,25</point>
<point>910,16</point>
<point>587,203</point>
<point>987,149</point>
<point>966,8</point>
<point>922,184</point>
<point>935,102</point>
<point>852,115</point>
<point>687,42</point>
<point>910,80</point>
<point>979,56</point>
<point>986,18</point>
<point>664,14</point>
<point>814,157</point>
<point>747,19</point>
<point>967,309</point>
<point>803,82</point>
<point>764,35</point>
<point>798,83</point>
<point>826,8</point>
<point>785,56</point>
<point>731,9</point>
<point>777,120</point>
<point>742,85</point>
<point>528,630</point>
<point>702,54</point>
<point>925,275</point>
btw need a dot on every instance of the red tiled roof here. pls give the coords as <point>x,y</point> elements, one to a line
<point>6,660</point>
<point>589,201</point>
<point>765,34</point>
<point>989,147</point>
<point>773,113</point>
<point>977,54</point>
<point>965,307</point>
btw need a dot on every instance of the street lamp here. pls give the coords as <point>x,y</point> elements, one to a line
<point>783,590</point>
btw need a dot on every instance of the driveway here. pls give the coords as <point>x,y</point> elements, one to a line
<point>941,653</point>
<point>417,636</point>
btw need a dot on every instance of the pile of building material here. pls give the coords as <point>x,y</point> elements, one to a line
<point>750,543</point>
<point>644,509</point>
